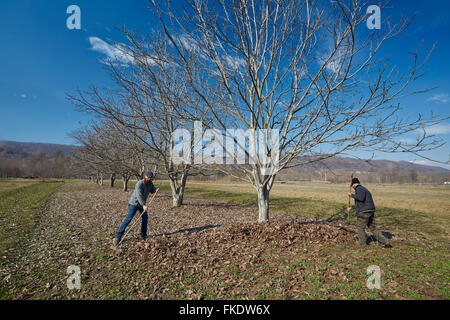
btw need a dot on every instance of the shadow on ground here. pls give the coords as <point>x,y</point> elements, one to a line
<point>186,231</point>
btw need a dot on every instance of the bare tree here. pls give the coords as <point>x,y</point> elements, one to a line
<point>310,69</point>
<point>148,106</point>
<point>109,150</point>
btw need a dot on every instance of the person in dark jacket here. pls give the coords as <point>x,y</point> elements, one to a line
<point>138,203</point>
<point>365,212</point>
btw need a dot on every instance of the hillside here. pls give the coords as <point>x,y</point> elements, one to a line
<point>26,150</point>
<point>340,164</point>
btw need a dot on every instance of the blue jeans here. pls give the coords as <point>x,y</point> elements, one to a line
<point>126,222</point>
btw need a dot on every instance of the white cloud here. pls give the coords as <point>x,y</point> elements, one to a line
<point>431,163</point>
<point>23,95</point>
<point>115,53</point>
<point>336,62</point>
<point>443,128</point>
<point>423,162</point>
<point>337,53</point>
<point>234,62</point>
<point>334,65</point>
<point>440,98</point>
<point>189,43</point>
<point>407,140</point>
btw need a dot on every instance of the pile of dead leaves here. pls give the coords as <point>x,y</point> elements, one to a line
<point>233,241</point>
<point>285,233</point>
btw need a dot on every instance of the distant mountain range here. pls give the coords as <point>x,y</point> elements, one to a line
<point>341,164</point>
<point>23,150</point>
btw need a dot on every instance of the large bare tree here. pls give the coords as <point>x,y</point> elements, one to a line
<point>310,69</point>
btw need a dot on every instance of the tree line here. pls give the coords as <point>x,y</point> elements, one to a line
<point>56,165</point>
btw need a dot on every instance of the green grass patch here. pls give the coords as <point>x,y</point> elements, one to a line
<point>19,214</point>
<point>12,184</point>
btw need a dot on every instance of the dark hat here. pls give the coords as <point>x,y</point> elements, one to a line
<point>149,174</point>
<point>354,180</point>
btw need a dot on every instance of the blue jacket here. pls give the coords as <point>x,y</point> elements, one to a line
<point>141,192</point>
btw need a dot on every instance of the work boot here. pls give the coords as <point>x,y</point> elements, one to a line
<point>387,245</point>
<point>360,243</point>
<point>116,242</point>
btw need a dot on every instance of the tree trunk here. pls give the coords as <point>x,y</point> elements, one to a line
<point>177,200</point>
<point>112,179</point>
<point>125,183</point>
<point>263,203</point>
<point>178,192</point>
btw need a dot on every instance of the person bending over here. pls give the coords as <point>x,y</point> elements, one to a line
<point>138,203</point>
<point>365,214</point>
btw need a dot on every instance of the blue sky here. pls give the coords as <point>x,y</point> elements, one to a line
<point>41,61</point>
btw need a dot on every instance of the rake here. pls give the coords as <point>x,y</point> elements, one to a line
<point>349,203</point>
<point>115,248</point>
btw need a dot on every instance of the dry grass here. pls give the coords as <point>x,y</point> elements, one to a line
<point>433,199</point>
<point>12,184</point>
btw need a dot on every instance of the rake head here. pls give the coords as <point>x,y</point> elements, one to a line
<point>116,248</point>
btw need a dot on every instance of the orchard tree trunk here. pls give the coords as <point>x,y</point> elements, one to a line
<point>112,180</point>
<point>141,173</point>
<point>178,190</point>
<point>263,184</point>
<point>125,182</point>
<point>177,199</point>
<point>263,203</point>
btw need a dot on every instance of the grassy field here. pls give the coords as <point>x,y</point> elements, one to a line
<point>410,197</point>
<point>434,199</point>
<point>19,207</point>
<point>47,226</point>
<point>11,184</point>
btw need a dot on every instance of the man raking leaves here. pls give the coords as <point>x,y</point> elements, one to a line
<point>365,212</point>
<point>138,202</point>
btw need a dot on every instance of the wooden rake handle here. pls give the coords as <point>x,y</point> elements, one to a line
<point>350,190</point>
